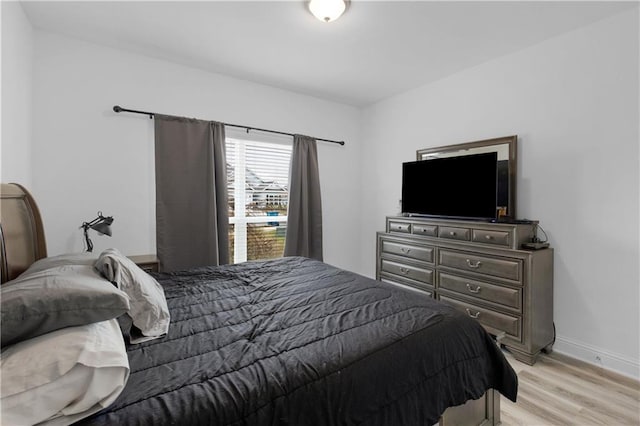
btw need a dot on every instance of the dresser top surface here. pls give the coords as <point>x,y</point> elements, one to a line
<point>460,222</point>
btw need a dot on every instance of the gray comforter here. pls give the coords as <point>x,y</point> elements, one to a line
<point>294,341</point>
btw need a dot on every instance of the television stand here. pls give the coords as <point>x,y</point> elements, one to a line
<point>480,269</point>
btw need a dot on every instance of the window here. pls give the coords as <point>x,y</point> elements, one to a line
<point>258,188</point>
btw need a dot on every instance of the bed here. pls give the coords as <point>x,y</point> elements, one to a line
<point>291,341</point>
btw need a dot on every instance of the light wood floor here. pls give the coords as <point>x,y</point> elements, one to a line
<point>559,390</point>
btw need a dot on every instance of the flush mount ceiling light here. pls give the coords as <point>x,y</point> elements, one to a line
<point>327,10</point>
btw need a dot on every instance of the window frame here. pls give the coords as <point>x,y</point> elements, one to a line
<point>240,222</point>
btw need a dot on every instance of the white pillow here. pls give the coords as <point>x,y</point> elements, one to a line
<point>63,376</point>
<point>149,311</point>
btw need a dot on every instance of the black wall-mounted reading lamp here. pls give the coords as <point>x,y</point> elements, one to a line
<point>101,224</point>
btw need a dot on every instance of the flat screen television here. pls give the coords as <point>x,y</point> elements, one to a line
<point>461,187</point>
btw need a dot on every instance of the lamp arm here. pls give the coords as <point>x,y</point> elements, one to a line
<point>94,221</point>
<point>87,240</point>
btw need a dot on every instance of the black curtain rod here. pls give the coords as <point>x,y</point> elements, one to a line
<point>118,108</point>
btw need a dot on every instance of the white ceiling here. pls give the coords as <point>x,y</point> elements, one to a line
<point>377,49</point>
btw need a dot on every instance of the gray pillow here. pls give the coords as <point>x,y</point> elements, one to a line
<point>38,302</point>
<point>61,260</point>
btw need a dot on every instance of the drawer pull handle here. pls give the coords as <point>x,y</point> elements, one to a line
<point>474,316</point>
<point>405,250</point>
<point>476,290</point>
<point>405,271</point>
<point>476,265</point>
<point>488,237</point>
<point>452,233</point>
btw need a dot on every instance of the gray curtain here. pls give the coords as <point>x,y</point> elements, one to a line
<point>304,223</point>
<point>192,218</point>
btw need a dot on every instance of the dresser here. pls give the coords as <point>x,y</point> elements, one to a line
<point>479,268</point>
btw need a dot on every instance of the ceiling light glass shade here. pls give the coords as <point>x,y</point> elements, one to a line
<point>327,10</point>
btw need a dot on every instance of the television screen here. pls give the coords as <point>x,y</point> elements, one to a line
<point>462,187</point>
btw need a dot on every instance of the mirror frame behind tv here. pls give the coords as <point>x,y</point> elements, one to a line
<point>507,149</point>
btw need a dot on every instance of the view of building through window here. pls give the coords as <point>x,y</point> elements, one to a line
<point>257,174</point>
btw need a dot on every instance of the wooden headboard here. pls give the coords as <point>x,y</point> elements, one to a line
<point>21,231</point>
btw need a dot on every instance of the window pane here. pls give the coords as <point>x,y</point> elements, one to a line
<point>231,243</point>
<point>265,241</point>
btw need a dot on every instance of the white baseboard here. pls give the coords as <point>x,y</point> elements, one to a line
<point>620,364</point>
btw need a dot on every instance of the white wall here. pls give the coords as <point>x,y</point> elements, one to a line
<point>573,101</point>
<point>17,66</point>
<point>87,158</point>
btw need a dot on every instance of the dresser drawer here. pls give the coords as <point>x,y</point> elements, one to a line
<point>494,321</point>
<point>410,251</point>
<point>426,230</point>
<point>494,266</point>
<point>452,233</point>
<point>420,274</point>
<point>507,296</point>
<point>499,238</point>
<point>403,227</point>
<point>427,290</point>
